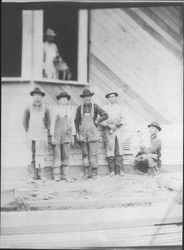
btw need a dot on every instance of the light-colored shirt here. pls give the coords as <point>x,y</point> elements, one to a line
<point>50,51</point>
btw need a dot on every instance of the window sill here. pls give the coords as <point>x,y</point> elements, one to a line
<point>14,80</point>
<point>42,80</point>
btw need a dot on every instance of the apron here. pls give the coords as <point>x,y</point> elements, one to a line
<point>62,130</point>
<point>38,133</point>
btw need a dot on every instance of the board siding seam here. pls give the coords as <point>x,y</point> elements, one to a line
<point>152,32</point>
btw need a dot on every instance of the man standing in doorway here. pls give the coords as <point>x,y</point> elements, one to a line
<point>62,132</point>
<point>50,52</point>
<point>86,123</point>
<point>115,134</point>
<point>36,122</point>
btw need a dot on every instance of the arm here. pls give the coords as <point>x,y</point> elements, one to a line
<point>47,118</point>
<point>78,118</point>
<point>73,112</point>
<point>26,118</point>
<point>103,115</point>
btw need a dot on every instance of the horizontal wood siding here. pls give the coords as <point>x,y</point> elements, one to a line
<point>138,53</point>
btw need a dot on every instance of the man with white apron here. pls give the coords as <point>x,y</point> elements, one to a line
<point>36,122</point>
<point>115,133</point>
<point>62,132</point>
<point>86,123</point>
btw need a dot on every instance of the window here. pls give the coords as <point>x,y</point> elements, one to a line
<point>64,21</point>
<point>11,41</point>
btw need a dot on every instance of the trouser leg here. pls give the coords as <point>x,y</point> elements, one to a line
<point>65,155</point>
<point>36,174</point>
<point>85,159</point>
<point>118,158</point>
<point>111,164</point>
<point>93,158</point>
<point>56,155</point>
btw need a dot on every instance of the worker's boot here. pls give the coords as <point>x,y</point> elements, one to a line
<point>62,177</point>
<point>94,173</point>
<point>50,175</point>
<point>111,165</point>
<point>86,173</point>
<point>36,175</point>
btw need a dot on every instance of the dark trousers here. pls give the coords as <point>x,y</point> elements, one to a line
<point>115,162</point>
<point>90,154</point>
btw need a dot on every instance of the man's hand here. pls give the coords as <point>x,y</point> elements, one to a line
<point>53,141</point>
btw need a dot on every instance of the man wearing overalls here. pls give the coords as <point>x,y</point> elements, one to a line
<point>115,134</point>
<point>62,132</point>
<point>36,122</point>
<point>86,123</point>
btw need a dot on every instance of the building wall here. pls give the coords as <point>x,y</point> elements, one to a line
<point>138,53</point>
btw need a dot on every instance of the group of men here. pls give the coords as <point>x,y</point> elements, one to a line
<point>66,127</point>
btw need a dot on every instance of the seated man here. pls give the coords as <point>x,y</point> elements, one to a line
<point>148,158</point>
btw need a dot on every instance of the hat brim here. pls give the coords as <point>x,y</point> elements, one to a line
<point>112,93</point>
<point>86,95</point>
<point>159,128</point>
<point>67,96</point>
<point>50,34</point>
<point>36,92</point>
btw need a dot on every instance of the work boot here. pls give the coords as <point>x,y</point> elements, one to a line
<point>50,175</point>
<point>94,173</point>
<point>36,174</point>
<point>86,173</point>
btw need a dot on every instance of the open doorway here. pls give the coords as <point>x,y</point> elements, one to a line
<point>64,21</point>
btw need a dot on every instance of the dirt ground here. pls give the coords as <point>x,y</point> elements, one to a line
<point>130,187</point>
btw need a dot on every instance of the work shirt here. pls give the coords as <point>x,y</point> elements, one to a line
<point>155,146</point>
<point>39,107</point>
<point>95,111</point>
<point>117,116</point>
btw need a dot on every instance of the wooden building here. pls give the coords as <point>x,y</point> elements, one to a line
<point>135,49</point>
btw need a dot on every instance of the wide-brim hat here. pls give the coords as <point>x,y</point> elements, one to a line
<point>111,93</point>
<point>50,32</point>
<point>86,92</point>
<point>63,94</point>
<point>37,91</point>
<point>156,125</point>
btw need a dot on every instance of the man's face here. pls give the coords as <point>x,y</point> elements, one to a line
<point>63,101</point>
<point>112,98</point>
<point>37,97</point>
<point>87,99</point>
<point>153,130</point>
<point>49,38</point>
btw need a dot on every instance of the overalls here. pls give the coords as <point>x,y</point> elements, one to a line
<point>89,142</point>
<point>62,136</point>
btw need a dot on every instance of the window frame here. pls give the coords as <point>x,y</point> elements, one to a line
<point>32,39</point>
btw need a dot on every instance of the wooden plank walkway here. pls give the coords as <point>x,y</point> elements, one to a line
<point>141,236</point>
<point>55,221</point>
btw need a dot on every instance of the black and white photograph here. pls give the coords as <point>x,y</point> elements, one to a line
<point>92,124</point>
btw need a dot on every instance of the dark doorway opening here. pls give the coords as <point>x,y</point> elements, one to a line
<point>11,41</point>
<point>64,21</point>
